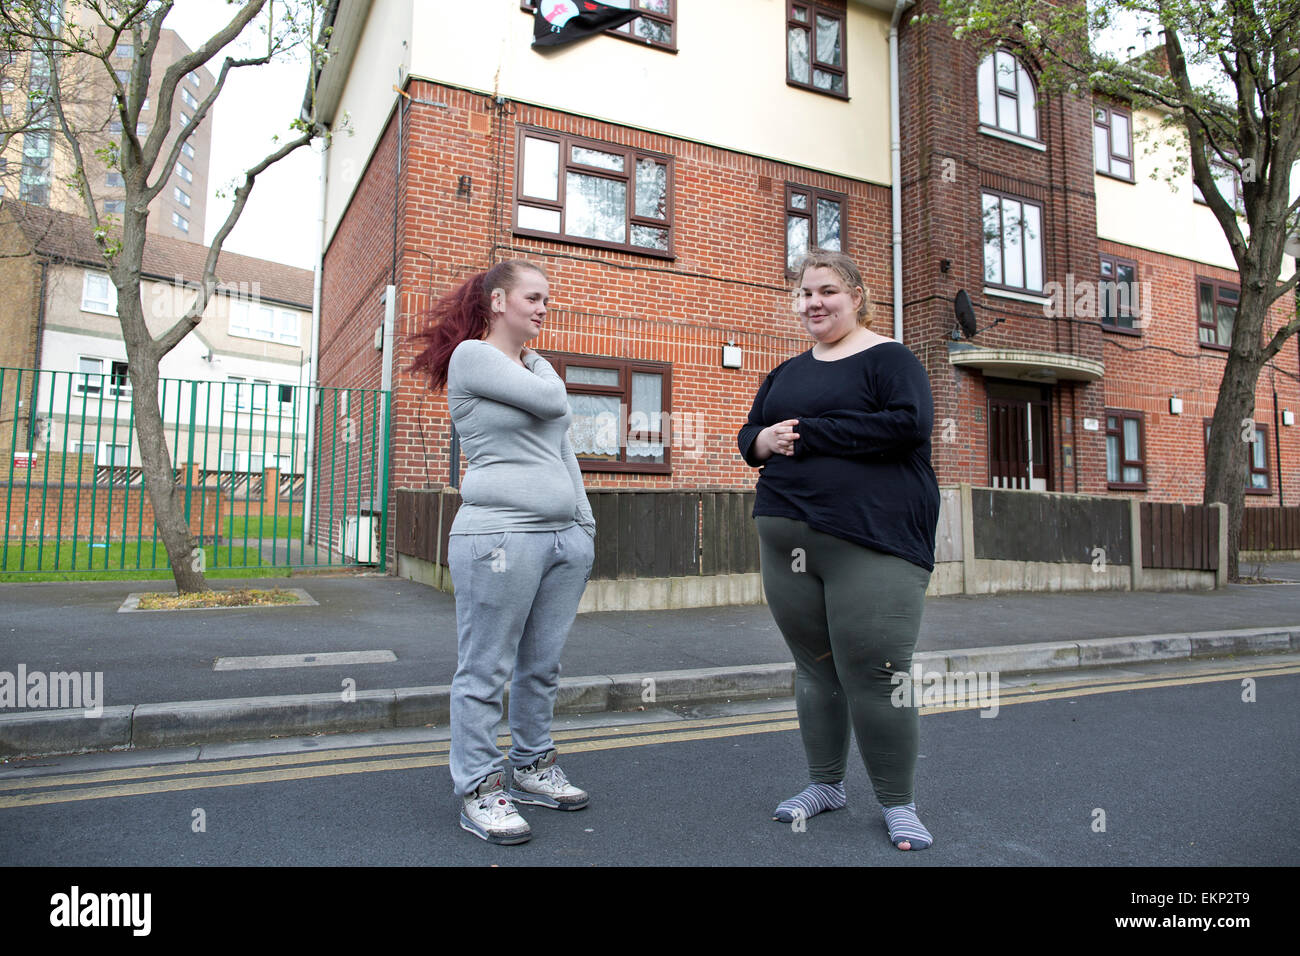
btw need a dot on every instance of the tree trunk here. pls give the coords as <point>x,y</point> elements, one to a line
<point>183,552</point>
<point>1231,432</point>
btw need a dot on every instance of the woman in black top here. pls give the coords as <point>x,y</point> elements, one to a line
<point>846,508</point>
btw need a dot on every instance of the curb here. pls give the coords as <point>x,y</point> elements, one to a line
<point>184,723</point>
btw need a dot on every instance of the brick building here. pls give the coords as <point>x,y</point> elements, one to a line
<point>665,180</point>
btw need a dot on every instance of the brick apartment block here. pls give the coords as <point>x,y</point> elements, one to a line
<point>432,193</point>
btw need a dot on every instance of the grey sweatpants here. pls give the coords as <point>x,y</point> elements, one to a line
<point>850,616</point>
<point>517,594</point>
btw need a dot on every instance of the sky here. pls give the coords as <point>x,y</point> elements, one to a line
<point>279,221</point>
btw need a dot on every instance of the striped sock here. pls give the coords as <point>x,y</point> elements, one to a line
<point>815,798</point>
<point>904,827</point>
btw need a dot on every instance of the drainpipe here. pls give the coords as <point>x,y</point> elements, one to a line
<point>895,169</point>
<point>313,359</point>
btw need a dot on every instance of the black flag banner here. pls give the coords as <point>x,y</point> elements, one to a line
<point>557,22</point>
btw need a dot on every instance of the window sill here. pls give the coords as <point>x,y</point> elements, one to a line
<point>1214,346</point>
<point>1119,486</point>
<point>1120,330</point>
<point>1259,491</point>
<point>596,244</point>
<point>816,89</point>
<point>1118,179</point>
<point>1013,138</point>
<point>622,467</point>
<point>1018,296</point>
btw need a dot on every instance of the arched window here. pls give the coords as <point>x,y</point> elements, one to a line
<point>1007,96</point>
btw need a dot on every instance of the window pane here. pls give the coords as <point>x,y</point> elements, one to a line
<point>90,366</point>
<point>988,94</point>
<point>652,30</point>
<point>1107,270</point>
<point>585,375</point>
<point>796,239</point>
<point>992,239</point>
<point>1006,71</point>
<point>1131,450</point>
<point>545,220</point>
<point>1257,449</point>
<point>828,41</point>
<point>595,208</point>
<point>541,168</point>
<point>828,81</point>
<point>651,189</point>
<point>1121,168</point>
<point>798,200</point>
<point>1100,149</point>
<point>1033,236</point>
<point>594,157</point>
<point>1014,256</point>
<point>1120,137</point>
<point>1007,113</point>
<point>1226,314</point>
<point>594,432</point>
<point>645,418</point>
<point>650,238</point>
<point>797,48</point>
<point>1132,474</point>
<point>1112,458</point>
<point>1028,108</point>
<point>800,14</point>
<point>828,224</point>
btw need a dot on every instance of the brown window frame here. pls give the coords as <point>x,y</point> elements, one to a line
<point>1218,285</point>
<point>811,215</point>
<point>624,32</point>
<point>814,8</point>
<point>1261,436</point>
<point>1042,244</point>
<point>1109,323</point>
<point>1111,155</point>
<point>560,362</point>
<point>996,128</point>
<point>1140,462</point>
<point>628,175</point>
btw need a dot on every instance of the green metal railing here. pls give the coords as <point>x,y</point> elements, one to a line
<point>272,476</point>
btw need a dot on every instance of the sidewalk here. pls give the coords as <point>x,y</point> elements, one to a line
<point>160,687</point>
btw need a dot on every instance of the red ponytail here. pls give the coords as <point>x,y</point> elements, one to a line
<point>460,315</point>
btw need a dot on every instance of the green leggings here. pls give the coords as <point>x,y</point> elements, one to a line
<point>850,616</point>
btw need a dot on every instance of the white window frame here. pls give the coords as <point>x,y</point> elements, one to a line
<point>103,305</point>
<point>184,173</point>
<point>250,319</point>
<point>188,150</point>
<point>181,196</point>
<point>180,222</point>
<point>189,99</point>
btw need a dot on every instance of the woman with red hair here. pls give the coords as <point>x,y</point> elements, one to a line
<point>521,547</point>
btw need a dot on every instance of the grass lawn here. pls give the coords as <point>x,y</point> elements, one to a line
<point>81,562</point>
<point>265,526</point>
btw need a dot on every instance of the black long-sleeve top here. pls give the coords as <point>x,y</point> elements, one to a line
<point>861,465</point>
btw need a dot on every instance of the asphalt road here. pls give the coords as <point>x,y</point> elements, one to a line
<point>1185,771</point>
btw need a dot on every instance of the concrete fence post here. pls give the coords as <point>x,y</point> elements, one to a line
<point>1135,543</point>
<point>967,541</point>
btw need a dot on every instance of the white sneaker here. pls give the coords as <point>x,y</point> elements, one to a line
<point>489,814</point>
<point>544,784</point>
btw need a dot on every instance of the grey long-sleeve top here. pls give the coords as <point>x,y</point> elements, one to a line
<point>513,424</point>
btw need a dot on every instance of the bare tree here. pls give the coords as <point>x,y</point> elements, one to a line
<point>1226,79</point>
<point>63,41</point>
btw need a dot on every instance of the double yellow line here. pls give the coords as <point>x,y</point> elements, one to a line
<point>275,768</point>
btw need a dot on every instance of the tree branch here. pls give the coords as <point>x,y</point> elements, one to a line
<point>186,324</point>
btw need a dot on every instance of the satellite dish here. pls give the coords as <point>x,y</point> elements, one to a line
<point>965,314</point>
